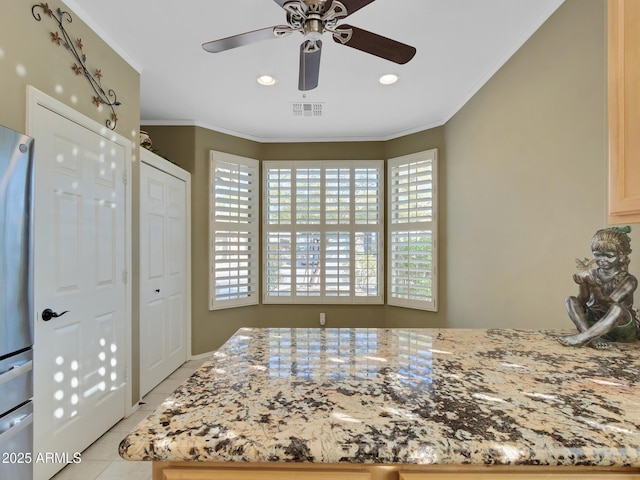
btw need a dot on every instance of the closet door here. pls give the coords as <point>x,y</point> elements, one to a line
<point>164,273</point>
<point>81,251</point>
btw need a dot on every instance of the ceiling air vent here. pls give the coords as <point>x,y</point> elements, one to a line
<point>306,109</point>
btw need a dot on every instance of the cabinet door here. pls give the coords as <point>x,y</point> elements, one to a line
<point>624,111</point>
<point>493,475</point>
<point>270,474</point>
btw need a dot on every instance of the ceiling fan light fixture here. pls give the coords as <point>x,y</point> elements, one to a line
<point>266,80</point>
<point>313,19</point>
<point>388,79</point>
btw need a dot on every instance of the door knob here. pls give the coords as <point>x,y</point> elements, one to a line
<point>48,314</point>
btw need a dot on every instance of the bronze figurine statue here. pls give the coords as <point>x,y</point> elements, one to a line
<point>603,309</point>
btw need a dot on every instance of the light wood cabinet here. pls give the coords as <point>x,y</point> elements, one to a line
<point>205,474</point>
<point>276,471</point>
<point>492,475</point>
<point>624,111</point>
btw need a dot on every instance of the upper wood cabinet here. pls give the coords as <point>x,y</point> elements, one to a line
<point>624,111</point>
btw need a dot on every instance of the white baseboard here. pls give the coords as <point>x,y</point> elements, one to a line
<point>201,356</point>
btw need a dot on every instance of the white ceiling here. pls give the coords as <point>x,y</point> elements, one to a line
<point>460,45</point>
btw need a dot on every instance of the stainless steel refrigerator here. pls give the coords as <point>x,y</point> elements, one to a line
<point>16,305</point>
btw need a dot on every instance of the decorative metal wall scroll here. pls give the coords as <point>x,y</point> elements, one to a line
<point>61,37</point>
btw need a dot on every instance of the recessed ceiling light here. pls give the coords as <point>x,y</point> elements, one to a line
<point>266,80</point>
<point>388,79</point>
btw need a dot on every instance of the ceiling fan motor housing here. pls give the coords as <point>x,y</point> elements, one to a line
<point>315,6</point>
<point>313,29</point>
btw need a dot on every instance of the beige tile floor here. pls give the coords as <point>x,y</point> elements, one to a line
<point>101,460</point>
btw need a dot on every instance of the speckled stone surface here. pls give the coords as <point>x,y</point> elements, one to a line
<point>402,396</point>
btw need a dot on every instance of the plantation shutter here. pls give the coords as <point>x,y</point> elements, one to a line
<point>368,248</point>
<point>278,212</point>
<point>323,231</point>
<point>337,204</point>
<point>412,254</point>
<point>234,210</point>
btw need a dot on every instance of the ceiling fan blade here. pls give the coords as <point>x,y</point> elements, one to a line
<point>309,66</point>
<point>374,44</point>
<point>354,5</point>
<point>216,46</point>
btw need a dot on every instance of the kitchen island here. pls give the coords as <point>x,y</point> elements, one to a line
<point>384,404</point>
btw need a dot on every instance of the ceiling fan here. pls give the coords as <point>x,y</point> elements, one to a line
<point>313,18</point>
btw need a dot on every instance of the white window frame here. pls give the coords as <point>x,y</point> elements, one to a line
<point>292,230</point>
<point>411,216</point>
<point>240,215</point>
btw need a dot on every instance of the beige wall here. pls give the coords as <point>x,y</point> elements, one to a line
<point>522,189</point>
<point>29,57</point>
<point>527,177</point>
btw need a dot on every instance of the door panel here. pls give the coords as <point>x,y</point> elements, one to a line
<point>155,246</point>
<point>153,338</point>
<point>176,340</point>
<point>67,251</point>
<point>176,246</point>
<point>66,341</point>
<point>79,268</point>
<point>163,282</point>
<point>106,243</point>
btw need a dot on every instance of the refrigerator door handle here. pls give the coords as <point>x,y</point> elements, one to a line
<point>15,371</point>
<point>16,427</point>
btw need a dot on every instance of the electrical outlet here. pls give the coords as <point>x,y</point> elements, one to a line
<point>323,319</point>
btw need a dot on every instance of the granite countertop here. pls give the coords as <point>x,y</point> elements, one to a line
<point>401,396</point>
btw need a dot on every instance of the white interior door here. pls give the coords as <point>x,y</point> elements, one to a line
<point>163,275</point>
<point>80,252</point>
